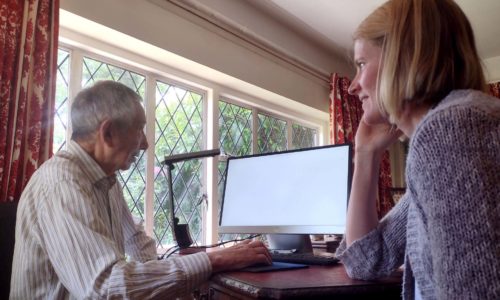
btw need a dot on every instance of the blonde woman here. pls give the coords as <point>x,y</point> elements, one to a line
<point>419,74</point>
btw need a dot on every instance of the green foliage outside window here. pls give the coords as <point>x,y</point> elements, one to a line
<point>178,129</point>
<point>272,134</point>
<point>303,137</point>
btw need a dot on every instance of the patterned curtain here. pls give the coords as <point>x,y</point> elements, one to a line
<point>28,64</point>
<point>345,115</point>
<point>495,89</point>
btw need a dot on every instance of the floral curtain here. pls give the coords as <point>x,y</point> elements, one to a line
<point>28,64</point>
<point>495,89</point>
<point>345,115</point>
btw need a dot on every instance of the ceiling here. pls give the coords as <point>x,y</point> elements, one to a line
<point>331,23</point>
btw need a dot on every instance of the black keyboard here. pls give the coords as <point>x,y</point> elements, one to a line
<point>305,258</point>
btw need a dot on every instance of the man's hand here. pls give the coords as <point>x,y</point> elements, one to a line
<point>241,255</point>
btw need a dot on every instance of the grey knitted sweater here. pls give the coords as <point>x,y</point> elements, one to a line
<point>446,228</point>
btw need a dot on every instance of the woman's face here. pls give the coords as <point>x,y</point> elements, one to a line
<point>367,58</point>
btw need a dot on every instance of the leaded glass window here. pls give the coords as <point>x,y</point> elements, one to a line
<point>61,113</point>
<point>235,139</point>
<point>303,137</point>
<point>272,134</point>
<point>177,113</point>
<point>178,129</point>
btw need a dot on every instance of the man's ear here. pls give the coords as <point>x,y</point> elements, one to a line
<point>107,132</point>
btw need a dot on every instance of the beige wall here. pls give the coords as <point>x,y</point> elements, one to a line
<point>492,69</point>
<point>173,29</point>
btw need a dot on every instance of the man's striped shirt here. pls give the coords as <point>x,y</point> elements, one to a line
<point>73,231</point>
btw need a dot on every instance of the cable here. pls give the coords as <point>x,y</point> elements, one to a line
<point>225,242</point>
<point>172,250</point>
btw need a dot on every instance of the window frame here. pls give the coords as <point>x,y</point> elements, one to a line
<point>290,120</point>
<point>80,46</point>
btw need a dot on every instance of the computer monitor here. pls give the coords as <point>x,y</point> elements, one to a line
<point>291,192</point>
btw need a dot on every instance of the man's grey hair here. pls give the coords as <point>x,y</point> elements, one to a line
<point>103,100</point>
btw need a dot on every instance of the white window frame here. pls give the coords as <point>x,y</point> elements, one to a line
<point>290,120</point>
<point>80,46</point>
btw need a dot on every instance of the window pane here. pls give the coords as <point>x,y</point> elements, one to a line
<point>303,137</point>
<point>235,129</point>
<point>178,129</point>
<point>132,180</point>
<point>61,113</point>
<point>235,138</point>
<point>271,134</point>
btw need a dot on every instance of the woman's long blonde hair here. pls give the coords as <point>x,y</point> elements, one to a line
<point>428,50</point>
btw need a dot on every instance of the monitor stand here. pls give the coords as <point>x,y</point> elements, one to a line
<point>300,242</point>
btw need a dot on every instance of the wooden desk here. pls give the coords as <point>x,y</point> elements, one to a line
<point>315,282</point>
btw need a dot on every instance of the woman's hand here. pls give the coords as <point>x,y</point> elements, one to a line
<point>241,255</point>
<point>375,138</point>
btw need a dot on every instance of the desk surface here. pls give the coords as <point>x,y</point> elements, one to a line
<point>313,282</point>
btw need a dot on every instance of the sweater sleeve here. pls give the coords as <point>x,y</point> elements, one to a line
<point>381,251</point>
<point>457,178</point>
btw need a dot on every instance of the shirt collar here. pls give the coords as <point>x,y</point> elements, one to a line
<point>91,167</point>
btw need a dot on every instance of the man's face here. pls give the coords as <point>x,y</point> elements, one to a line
<point>130,142</point>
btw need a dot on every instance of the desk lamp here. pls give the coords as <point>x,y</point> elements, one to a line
<point>181,231</point>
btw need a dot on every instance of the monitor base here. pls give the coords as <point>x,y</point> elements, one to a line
<point>301,243</point>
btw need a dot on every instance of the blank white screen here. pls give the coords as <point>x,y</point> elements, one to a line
<point>291,192</point>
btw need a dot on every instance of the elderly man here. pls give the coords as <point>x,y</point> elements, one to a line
<point>73,225</point>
